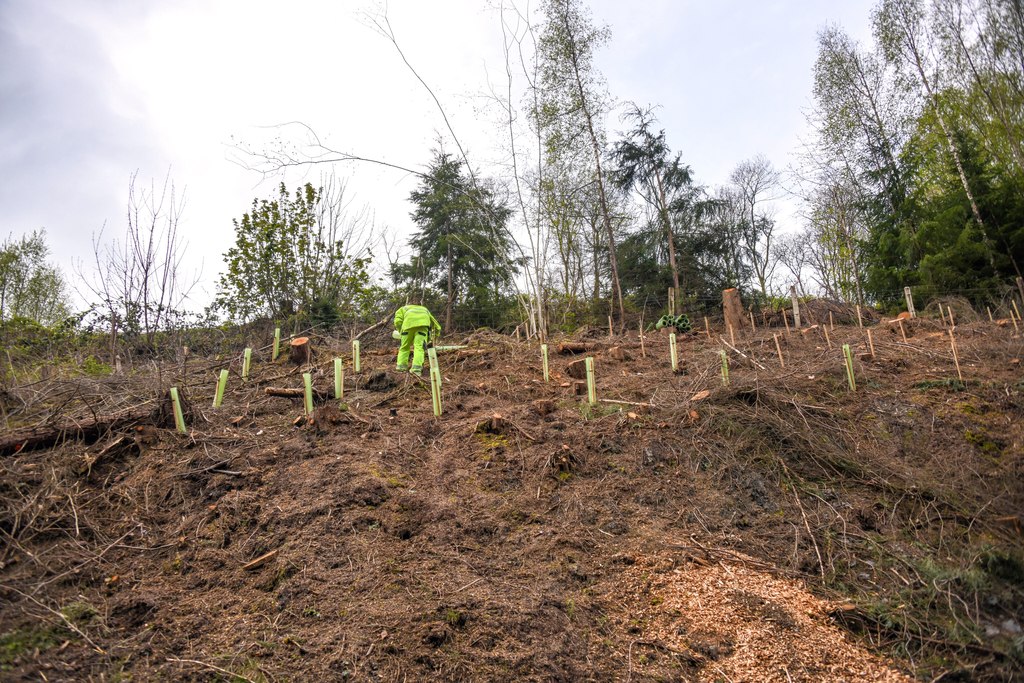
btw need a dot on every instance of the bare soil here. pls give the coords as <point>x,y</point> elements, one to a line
<point>779,528</point>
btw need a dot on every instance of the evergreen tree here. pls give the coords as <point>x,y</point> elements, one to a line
<point>463,247</point>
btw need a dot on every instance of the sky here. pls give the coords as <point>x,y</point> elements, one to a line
<point>93,92</point>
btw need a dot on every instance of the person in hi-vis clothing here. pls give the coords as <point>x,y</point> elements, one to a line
<point>414,325</point>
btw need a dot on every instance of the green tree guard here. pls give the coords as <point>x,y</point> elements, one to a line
<point>222,384</point>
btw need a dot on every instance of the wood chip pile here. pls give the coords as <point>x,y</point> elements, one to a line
<point>742,624</point>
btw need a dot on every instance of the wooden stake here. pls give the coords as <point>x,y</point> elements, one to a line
<point>246,360</point>
<point>942,315</point>
<point>752,325</point>
<point>277,344</point>
<point>989,309</point>
<point>222,383</point>
<point>307,394</point>
<point>782,362</point>
<point>355,356</point>
<point>952,322</point>
<point>591,389</point>
<point>860,321</point>
<point>611,330</point>
<point>671,301</point>
<point>849,367</point>
<point>827,339</point>
<point>871,344</point>
<point>785,320</point>
<point>707,328</point>
<point>544,359</point>
<point>732,335</point>
<point>643,352</point>
<point>903,333</point>
<point>956,356</point>
<point>725,367</point>
<point>1013,319</point>
<point>672,352</point>
<point>796,306</point>
<point>339,379</point>
<point>831,322</point>
<point>910,302</point>
<point>179,418</point>
<point>1016,310</point>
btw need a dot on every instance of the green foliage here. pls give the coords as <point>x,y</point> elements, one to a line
<point>289,263</point>
<point>94,367</point>
<point>30,287</point>
<point>463,249</point>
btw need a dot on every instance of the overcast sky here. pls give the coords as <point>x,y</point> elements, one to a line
<point>92,91</point>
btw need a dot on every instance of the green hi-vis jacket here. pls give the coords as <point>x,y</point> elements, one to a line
<point>408,317</point>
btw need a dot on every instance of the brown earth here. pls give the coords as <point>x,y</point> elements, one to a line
<point>780,528</point>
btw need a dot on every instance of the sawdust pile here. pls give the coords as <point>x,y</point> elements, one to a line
<point>738,623</point>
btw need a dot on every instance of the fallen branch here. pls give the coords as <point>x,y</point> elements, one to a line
<point>260,561</point>
<point>626,403</point>
<point>87,430</point>
<point>373,327</point>
<point>743,355</point>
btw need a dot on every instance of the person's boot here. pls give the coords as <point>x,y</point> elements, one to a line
<point>417,370</point>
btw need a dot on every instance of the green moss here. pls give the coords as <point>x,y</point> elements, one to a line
<point>25,641</point>
<point>951,384</point>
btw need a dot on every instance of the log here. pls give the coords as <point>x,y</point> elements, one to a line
<point>576,347</point>
<point>299,351</point>
<point>88,430</point>
<point>319,395</point>
<point>732,309</point>
<point>577,369</point>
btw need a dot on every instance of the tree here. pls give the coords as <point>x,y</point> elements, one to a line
<point>756,180</point>
<point>30,287</point>
<point>137,279</point>
<point>644,163</point>
<point>462,246</point>
<point>572,99</point>
<point>900,26</point>
<point>290,261</point>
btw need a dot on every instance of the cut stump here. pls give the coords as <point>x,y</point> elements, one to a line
<point>299,351</point>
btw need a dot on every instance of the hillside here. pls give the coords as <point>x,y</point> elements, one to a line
<point>780,528</point>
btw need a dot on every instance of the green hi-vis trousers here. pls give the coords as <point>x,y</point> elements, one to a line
<point>414,339</point>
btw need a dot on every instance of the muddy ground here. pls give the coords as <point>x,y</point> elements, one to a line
<point>779,528</point>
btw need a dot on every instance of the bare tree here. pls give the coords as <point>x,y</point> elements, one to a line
<point>758,182</point>
<point>136,279</point>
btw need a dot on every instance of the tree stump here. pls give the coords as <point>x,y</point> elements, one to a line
<point>577,369</point>
<point>618,353</point>
<point>732,308</point>
<point>299,351</point>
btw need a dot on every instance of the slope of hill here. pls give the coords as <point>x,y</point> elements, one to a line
<point>782,527</point>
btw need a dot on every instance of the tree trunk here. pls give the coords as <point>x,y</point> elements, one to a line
<point>671,242</point>
<point>448,305</point>
<point>612,260</point>
<point>91,429</point>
